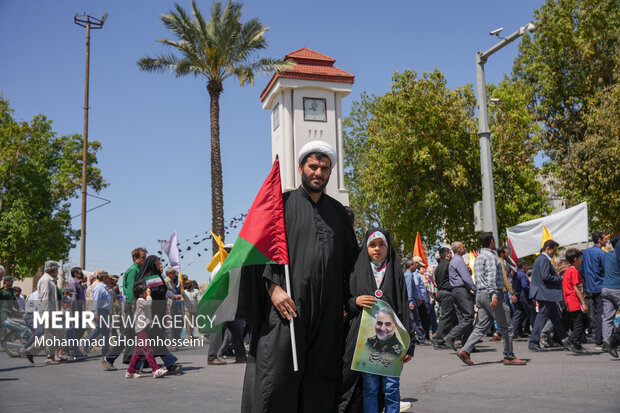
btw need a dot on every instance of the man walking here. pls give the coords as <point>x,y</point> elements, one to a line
<point>594,273</point>
<point>489,297</point>
<point>78,298</point>
<point>447,318</point>
<point>463,292</point>
<point>412,294</point>
<point>507,291</point>
<point>138,255</point>
<point>102,305</point>
<point>546,288</point>
<point>31,307</point>
<point>521,287</point>
<point>8,304</point>
<point>322,251</point>
<point>610,295</point>
<point>423,300</point>
<point>175,304</point>
<point>48,302</point>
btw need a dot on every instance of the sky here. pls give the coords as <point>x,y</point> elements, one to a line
<point>154,128</point>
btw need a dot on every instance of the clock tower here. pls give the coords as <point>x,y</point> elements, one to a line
<point>306,105</point>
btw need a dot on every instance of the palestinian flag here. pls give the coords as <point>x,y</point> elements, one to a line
<point>262,240</point>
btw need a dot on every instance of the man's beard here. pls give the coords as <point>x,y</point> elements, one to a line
<point>310,187</point>
<point>386,337</point>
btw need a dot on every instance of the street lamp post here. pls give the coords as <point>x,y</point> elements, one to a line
<point>89,23</point>
<point>489,216</point>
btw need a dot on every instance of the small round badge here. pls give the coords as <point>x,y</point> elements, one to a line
<point>378,293</point>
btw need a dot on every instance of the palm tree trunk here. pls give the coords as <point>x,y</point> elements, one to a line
<point>217,194</point>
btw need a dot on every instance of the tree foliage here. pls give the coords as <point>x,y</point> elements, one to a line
<point>215,50</point>
<point>573,54</point>
<point>39,174</point>
<point>592,168</point>
<point>573,62</point>
<point>412,159</point>
<point>515,139</point>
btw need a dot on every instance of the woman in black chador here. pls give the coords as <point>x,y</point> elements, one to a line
<point>377,274</point>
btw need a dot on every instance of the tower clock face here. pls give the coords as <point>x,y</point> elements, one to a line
<point>314,109</point>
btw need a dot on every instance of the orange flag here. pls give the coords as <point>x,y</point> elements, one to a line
<point>418,249</point>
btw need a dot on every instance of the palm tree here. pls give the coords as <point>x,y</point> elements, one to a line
<point>221,48</point>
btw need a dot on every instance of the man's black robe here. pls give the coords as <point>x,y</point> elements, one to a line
<point>322,251</point>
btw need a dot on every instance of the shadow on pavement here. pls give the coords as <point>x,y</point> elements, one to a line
<point>483,350</point>
<point>27,366</point>
<point>482,363</point>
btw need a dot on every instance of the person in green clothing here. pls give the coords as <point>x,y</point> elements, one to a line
<point>138,256</point>
<point>129,279</point>
<point>8,303</point>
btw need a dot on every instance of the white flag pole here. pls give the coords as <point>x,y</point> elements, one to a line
<point>291,321</point>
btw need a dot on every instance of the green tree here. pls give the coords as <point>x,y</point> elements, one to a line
<point>573,54</point>
<point>572,62</point>
<point>592,169</point>
<point>412,159</point>
<point>39,174</point>
<point>356,144</point>
<point>215,50</point>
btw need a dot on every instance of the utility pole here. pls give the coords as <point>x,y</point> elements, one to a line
<point>89,22</point>
<point>489,215</point>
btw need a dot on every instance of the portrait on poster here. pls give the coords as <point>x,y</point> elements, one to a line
<point>382,342</point>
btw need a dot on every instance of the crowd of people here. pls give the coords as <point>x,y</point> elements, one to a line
<point>332,281</point>
<point>577,292</point>
<point>102,295</point>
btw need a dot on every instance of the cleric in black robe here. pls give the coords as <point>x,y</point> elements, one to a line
<point>362,282</point>
<point>322,250</point>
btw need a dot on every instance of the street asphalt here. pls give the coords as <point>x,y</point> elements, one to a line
<point>434,381</point>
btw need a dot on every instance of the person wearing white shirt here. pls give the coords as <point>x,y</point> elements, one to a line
<point>191,297</point>
<point>48,302</point>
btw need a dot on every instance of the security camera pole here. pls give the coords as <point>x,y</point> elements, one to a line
<point>489,216</point>
<point>89,22</point>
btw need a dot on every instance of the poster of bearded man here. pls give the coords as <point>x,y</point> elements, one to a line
<point>382,342</point>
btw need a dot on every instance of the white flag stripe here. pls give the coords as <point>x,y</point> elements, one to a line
<point>228,309</point>
<point>171,248</point>
<point>566,227</point>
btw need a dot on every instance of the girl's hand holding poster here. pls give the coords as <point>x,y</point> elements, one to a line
<point>382,342</point>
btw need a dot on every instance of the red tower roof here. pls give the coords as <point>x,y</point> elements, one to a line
<point>311,65</point>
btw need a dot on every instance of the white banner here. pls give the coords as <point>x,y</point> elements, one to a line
<point>171,248</point>
<point>566,227</point>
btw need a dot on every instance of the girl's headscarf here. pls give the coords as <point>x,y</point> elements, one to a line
<point>362,280</point>
<point>378,268</point>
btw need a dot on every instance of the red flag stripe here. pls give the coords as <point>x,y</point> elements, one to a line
<point>264,225</point>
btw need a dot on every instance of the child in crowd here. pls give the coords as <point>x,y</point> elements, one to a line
<point>572,286</point>
<point>142,323</point>
<point>377,273</point>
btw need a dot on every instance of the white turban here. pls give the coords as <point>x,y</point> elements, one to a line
<point>317,146</point>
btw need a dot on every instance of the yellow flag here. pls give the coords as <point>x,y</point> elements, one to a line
<point>545,237</point>
<point>219,256</point>
<point>472,260</point>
